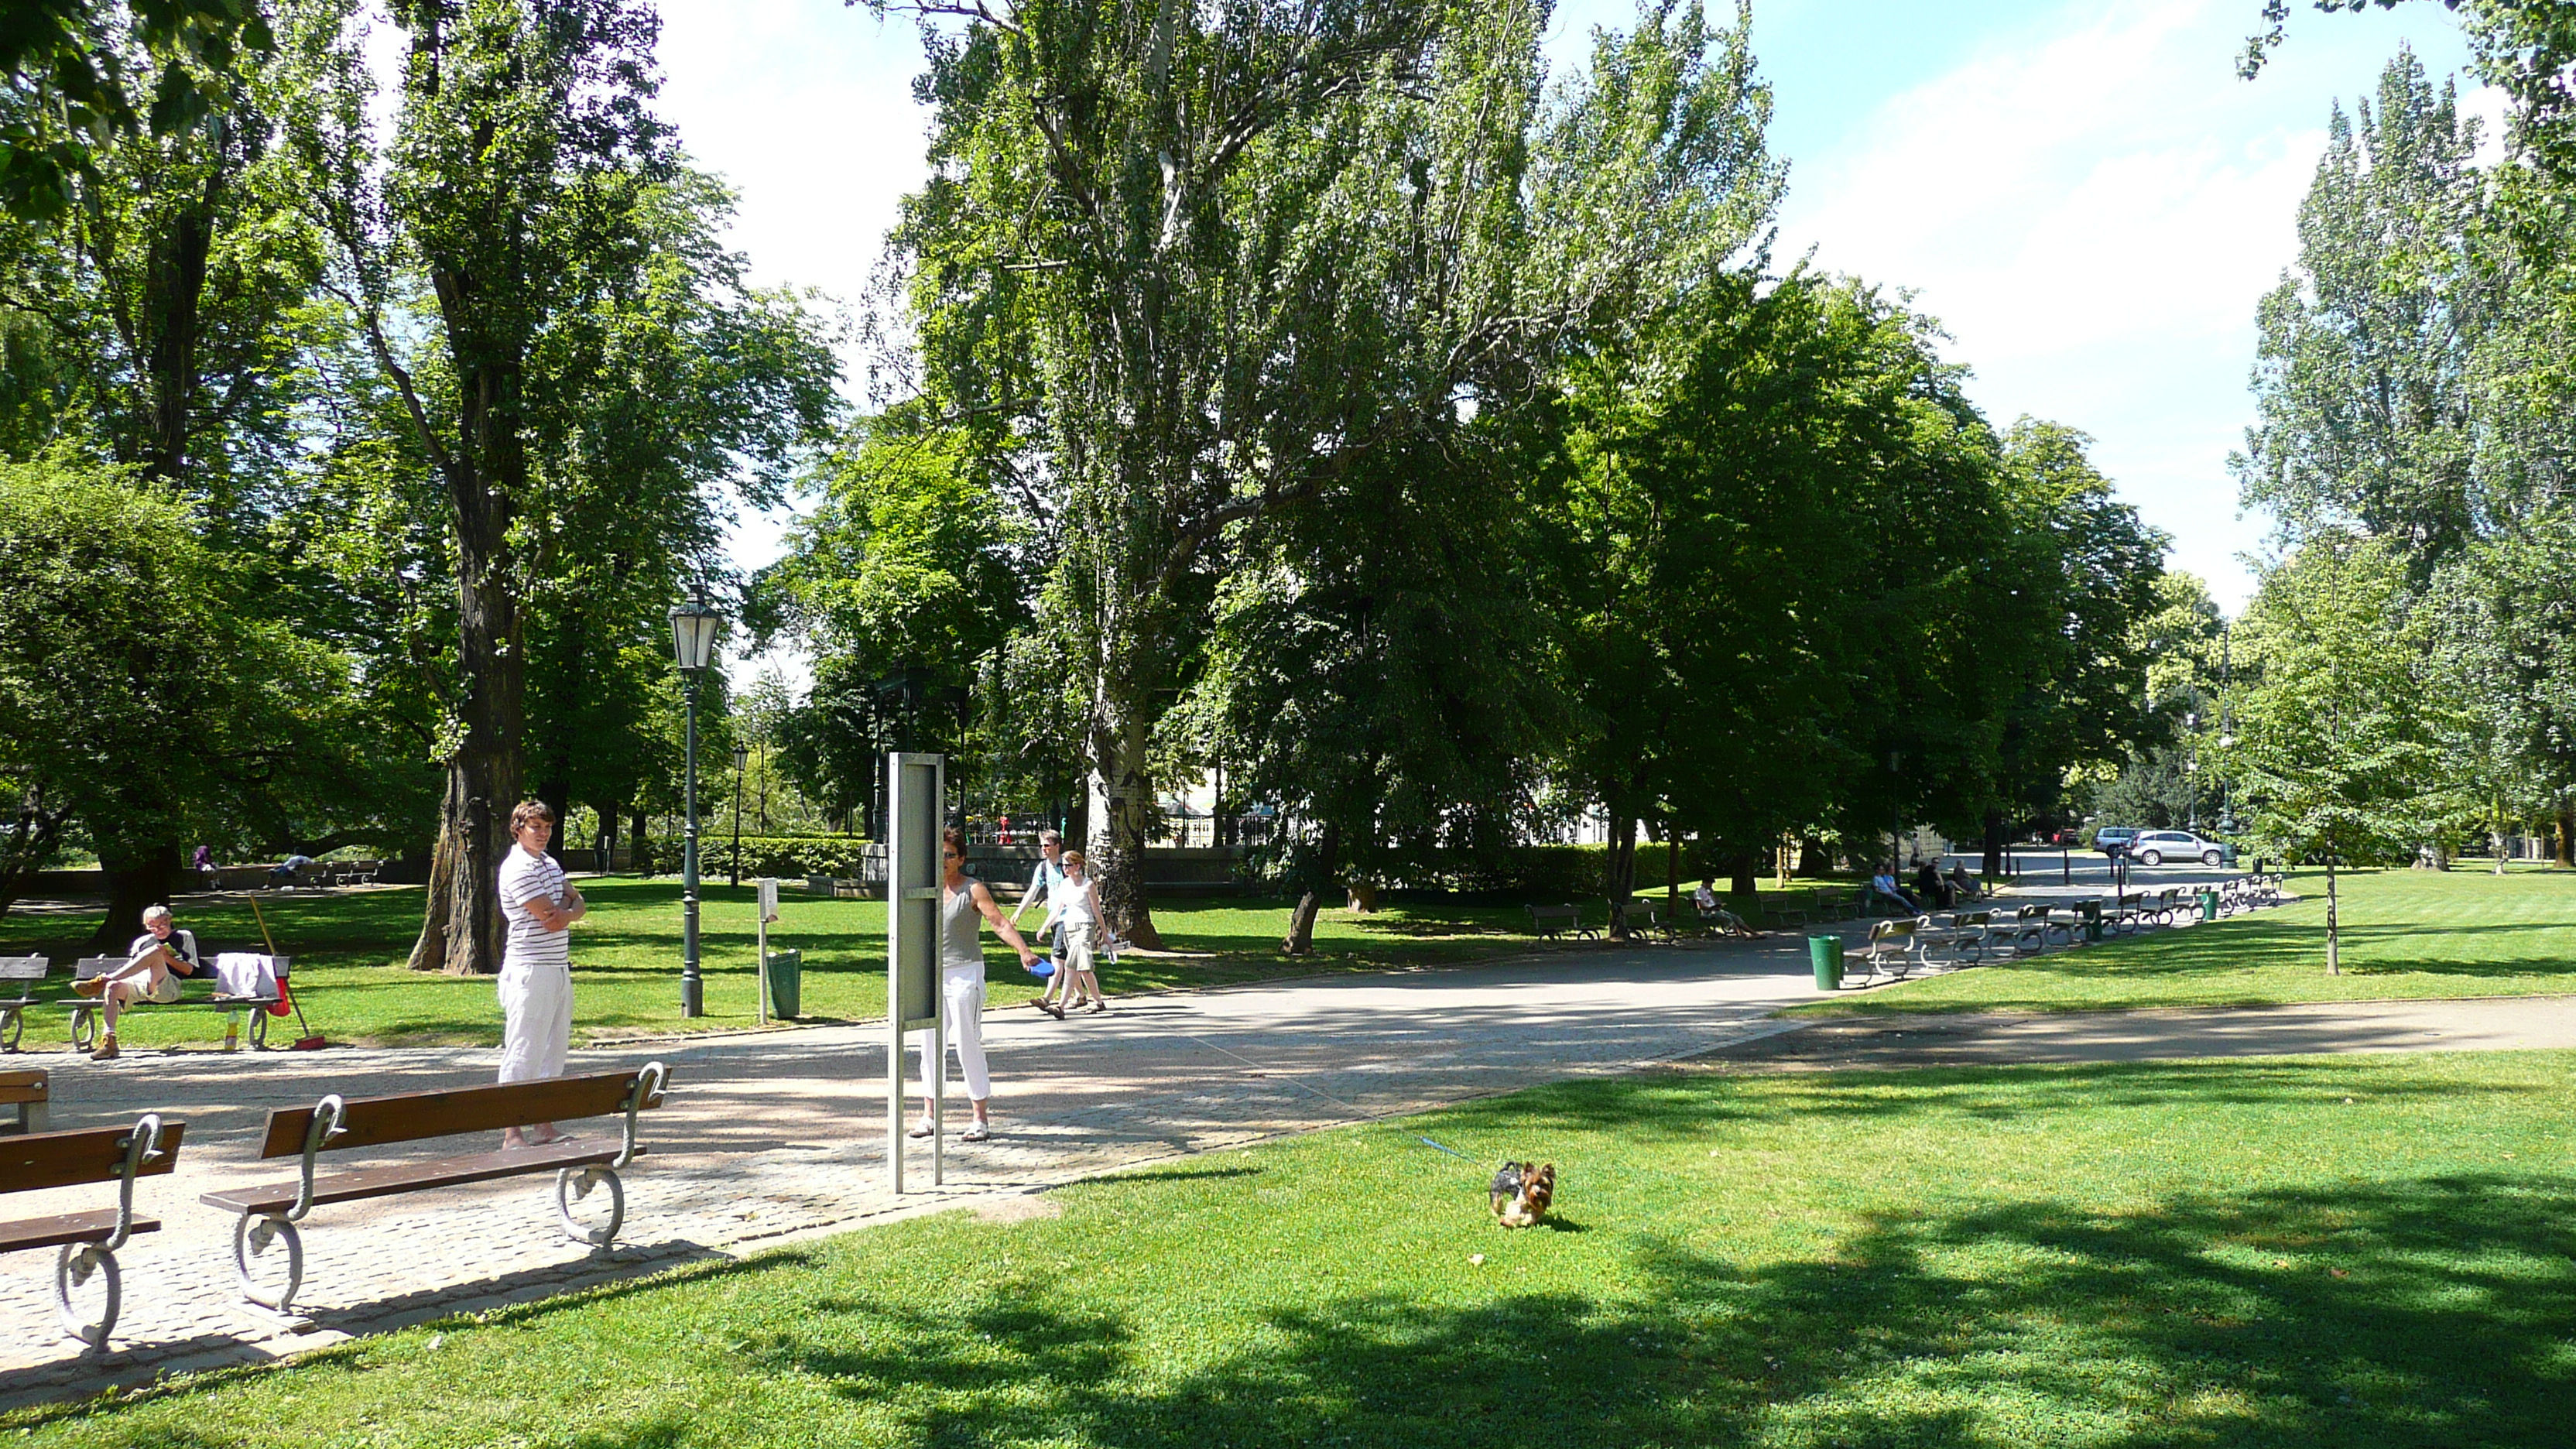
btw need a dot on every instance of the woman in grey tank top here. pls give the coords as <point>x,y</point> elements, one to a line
<point>961,983</point>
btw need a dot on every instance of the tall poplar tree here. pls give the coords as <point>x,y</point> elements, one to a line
<point>1189,264</point>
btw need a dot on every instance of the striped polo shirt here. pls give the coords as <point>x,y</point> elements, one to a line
<point>525,878</point>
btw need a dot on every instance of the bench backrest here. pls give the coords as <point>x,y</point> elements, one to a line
<point>414,1116</point>
<point>24,968</point>
<point>1893,927</point>
<point>24,1086</point>
<point>89,966</point>
<point>1544,915</point>
<point>92,1154</point>
<point>2037,912</point>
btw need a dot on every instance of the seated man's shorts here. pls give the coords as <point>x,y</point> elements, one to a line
<point>163,989</point>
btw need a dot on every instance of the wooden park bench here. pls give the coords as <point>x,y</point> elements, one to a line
<point>1893,947</point>
<point>1719,921</point>
<point>338,1123</point>
<point>1641,920</point>
<point>29,1092</point>
<point>88,1241</point>
<point>2026,933</point>
<point>18,978</point>
<point>1555,923</point>
<point>89,1011</point>
<point>1967,936</point>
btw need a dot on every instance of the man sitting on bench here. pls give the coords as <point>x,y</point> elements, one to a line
<point>160,956</point>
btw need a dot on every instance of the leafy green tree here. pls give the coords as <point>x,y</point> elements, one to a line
<point>172,296</point>
<point>2362,378</point>
<point>2091,573</point>
<point>1189,265</point>
<point>1382,668</point>
<point>526,193</point>
<point>139,701</point>
<point>2336,751</point>
<point>69,73</point>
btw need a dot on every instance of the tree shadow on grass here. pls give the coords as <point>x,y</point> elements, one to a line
<point>2431,1312</point>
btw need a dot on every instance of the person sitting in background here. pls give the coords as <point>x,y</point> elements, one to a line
<point>1963,886</point>
<point>1929,886</point>
<point>284,872</point>
<point>205,866</point>
<point>1706,896</point>
<point>158,958</point>
<point>1883,885</point>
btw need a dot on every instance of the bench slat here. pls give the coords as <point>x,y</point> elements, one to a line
<point>53,1232</point>
<point>412,1116</point>
<point>23,968</point>
<point>66,1159</point>
<point>413,1176</point>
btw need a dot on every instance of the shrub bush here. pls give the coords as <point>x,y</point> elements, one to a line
<point>789,857</point>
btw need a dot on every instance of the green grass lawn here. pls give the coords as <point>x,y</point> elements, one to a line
<point>348,951</point>
<point>2406,933</point>
<point>2371,1252</point>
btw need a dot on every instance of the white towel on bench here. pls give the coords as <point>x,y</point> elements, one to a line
<point>245,973</point>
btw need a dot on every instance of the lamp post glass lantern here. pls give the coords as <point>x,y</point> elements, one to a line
<point>693,645</point>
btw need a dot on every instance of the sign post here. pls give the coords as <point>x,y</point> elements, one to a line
<point>768,913</point>
<point>915,786</point>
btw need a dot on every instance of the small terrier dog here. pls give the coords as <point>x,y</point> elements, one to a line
<point>1522,1191</point>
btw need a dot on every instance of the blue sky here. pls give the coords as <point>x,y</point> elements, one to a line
<point>2084,193</point>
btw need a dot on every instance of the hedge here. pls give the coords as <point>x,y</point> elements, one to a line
<point>789,857</point>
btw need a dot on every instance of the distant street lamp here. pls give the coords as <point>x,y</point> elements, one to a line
<point>741,757</point>
<point>693,643</point>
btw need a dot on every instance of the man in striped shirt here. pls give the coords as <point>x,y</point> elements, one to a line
<point>536,966</point>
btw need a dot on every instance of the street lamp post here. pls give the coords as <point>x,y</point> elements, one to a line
<point>693,643</point>
<point>741,757</point>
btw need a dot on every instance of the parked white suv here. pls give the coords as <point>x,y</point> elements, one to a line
<point>2155,847</point>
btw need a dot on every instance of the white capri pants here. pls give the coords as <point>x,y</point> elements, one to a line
<point>961,992</point>
<point>536,1020</point>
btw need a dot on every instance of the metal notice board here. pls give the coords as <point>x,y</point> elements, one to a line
<point>915,787</point>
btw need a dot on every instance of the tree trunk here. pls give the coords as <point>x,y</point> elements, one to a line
<point>1301,927</point>
<point>1619,870</point>
<point>2566,842</point>
<point>1813,860</point>
<point>1672,875</point>
<point>557,793</point>
<point>2334,942</point>
<point>137,876</point>
<point>461,930</point>
<point>1126,802</point>
<point>1747,866</point>
<point>1301,922</point>
<point>1992,865</point>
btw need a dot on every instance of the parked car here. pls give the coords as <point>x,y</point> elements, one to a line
<point>2111,838</point>
<point>2155,847</point>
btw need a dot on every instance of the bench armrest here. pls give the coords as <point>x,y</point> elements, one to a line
<point>650,1085</point>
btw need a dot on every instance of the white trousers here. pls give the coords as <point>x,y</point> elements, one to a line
<point>961,992</point>
<point>536,1020</point>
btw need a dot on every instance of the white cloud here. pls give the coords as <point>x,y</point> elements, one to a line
<point>2093,207</point>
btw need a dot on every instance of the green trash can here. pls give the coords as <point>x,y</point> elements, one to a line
<point>786,983</point>
<point>2092,921</point>
<point>2208,905</point>
<point>1826,952</point>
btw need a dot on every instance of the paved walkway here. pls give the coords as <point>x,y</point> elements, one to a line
<point>771,1135</point>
